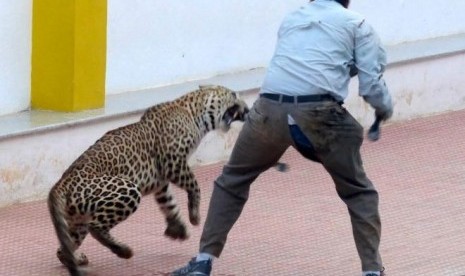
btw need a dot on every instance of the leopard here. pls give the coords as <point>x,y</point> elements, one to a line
<point>105,184</point>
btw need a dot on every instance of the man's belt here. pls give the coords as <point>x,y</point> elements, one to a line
<point>297,99</point>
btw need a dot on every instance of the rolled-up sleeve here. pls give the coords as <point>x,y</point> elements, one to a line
<point>370,60</point>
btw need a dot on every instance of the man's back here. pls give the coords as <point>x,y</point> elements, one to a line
<point>314,51</point>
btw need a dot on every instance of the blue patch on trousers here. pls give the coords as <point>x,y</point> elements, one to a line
<point>303,144</point>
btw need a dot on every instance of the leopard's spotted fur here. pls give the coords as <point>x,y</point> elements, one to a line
<point>104,185</point>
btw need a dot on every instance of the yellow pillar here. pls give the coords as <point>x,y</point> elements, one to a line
<point>68,54</point>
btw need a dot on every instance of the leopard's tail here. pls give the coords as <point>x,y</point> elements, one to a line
<point>56,206</point>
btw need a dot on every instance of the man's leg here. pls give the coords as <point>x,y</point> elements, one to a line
<point>262,141</point>
<point>357,191</point>
<point>362,201</point>
<point>337,138</point>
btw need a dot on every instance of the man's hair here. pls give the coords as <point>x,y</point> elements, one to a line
<point>345,3</point>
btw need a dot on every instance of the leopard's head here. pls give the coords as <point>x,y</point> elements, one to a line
<point>224,106</point>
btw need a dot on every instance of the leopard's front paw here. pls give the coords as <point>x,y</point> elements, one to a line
<point>81,259</point>
<point>177,230</point>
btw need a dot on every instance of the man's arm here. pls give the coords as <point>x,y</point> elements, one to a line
<point>370,60</point>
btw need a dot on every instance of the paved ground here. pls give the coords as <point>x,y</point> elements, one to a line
<point>294,224</point>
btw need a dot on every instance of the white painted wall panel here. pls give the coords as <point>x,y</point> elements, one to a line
<point>400,21</point>
<point>154,43</point>
<point>15,55</point>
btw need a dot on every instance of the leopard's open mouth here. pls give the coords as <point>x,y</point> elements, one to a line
<point>237,112</point>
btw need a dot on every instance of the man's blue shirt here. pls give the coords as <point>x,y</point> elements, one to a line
<point>316,46</point>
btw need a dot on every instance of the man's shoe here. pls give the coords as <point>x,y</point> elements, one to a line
<point>194,268</point>
<point>381,273</point>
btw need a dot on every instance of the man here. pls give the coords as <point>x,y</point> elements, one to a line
<point>319,47</point>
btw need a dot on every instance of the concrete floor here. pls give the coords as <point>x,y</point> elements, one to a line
<point>294,223</point>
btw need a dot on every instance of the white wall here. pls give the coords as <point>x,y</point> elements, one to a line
<point>15,55</point>
<point>399,21</point>
<point>31,164</point>
<point>420,88</point>
<point>156,42</point>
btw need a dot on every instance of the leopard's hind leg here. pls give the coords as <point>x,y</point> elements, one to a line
<point>103,235</point>
<point>77,233</point>
<point>120,200</point>
<point>176,228</point>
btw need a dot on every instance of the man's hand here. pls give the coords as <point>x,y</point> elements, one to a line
<point>380,116</point>
<point>384,115</point>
